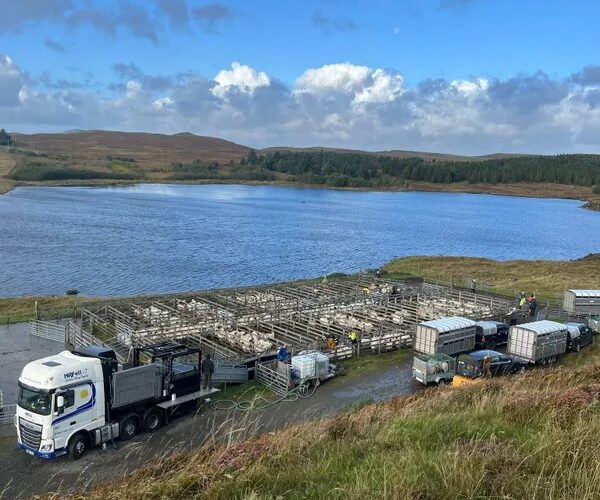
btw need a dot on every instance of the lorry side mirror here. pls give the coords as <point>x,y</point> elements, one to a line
<point>60,404</point>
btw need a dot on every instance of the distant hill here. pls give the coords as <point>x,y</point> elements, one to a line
<point>148,150</point>
<point>153,150</point>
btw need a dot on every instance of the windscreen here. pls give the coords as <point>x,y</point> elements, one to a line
<point>36,401</point>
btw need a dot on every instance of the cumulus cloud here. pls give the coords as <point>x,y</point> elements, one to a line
<point>11,82</point>
<point>342,105</point>
<point>331,78</point>
<point>240,78</point>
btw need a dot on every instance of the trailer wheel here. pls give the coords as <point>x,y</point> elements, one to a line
<point>152,419</point>
<point>129,428</point>
<point>491,344</point>
<point>77,446</point>
<point>303,389</point>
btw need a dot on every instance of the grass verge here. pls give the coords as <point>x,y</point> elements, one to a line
<point>17,310</point>
<point>530,436</point>
<point>547,278</point>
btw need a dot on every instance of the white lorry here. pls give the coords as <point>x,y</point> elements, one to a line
<point>73,401</point>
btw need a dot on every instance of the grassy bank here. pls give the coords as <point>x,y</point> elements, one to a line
<point>6,185</point>
<point>23,308</point>
<point>547,278</point>
<point>532,436</point>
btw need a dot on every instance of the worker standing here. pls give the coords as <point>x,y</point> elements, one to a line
<point>331,343</point>
<point>353,338</point>
<point>514,316</point>
<point>282,353</point>
<point>487,366</point>
<point>532,305</point>
<point>208,368</point>
<point>522,301</point>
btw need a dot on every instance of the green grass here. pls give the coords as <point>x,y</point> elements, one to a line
<point>244,392</point>
<point>16,310</point>
<point>362,365</point>
<point>547,278</point>
<point>533,436</point>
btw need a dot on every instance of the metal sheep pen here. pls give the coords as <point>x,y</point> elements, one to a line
<point>237,324</point>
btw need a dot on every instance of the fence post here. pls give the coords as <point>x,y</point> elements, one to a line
<point>36,310</point>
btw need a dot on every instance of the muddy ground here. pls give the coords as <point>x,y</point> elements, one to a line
<point>22,475</point>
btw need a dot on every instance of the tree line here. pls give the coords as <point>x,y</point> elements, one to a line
<point>354,169</point>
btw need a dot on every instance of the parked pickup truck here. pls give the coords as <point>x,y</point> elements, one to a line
<point>491,334</point>
<point>579,336</point>
<point>470,369</point>
<point>433,368</point>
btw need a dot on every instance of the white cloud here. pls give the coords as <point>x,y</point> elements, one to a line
<point>345,77</point>
<point>133,88</point>
<point>470,87</point>
<point>163,103</point>
<point>341,105</point>
<point>396,30</point>
<point>383,87</point>
<point>11,81</point>
<point>240,77</point>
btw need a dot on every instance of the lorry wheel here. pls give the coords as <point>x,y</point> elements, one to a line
<point>152,419</point>
<point>129,429</point>
<point>77,447</point>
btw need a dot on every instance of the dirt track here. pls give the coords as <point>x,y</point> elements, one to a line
<point>23,475</point>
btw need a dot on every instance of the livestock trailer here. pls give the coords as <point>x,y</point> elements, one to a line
<point>452,335</point>
<point>582,301</point>
<point>434,368</point>
<point>537,342</point>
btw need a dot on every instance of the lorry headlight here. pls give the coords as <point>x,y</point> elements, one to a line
<point>47,447</point>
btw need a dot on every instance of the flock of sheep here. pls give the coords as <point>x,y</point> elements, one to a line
<point>373,321</point>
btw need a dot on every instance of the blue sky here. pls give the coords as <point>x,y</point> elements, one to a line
<point>432,68</point>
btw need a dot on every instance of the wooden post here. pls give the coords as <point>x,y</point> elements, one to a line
<point>36,309</point>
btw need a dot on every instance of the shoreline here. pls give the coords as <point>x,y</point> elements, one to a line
<point>583,194</point>
<point>549,277</point>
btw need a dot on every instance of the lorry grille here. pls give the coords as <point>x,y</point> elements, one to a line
<point>31,434</point>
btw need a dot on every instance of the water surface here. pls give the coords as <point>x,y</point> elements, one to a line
<point>162,238</point>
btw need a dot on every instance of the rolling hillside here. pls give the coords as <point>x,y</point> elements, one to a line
<point>148,150</point>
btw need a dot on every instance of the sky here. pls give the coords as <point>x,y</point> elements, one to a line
<point>455,76</point>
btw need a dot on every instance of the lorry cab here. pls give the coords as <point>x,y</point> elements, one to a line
<point>58,396</point>
<point>491,334</point>
<point>579,335</point>
<point>470,367</point>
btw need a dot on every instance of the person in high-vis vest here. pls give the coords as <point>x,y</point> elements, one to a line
<point>353,337</point>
